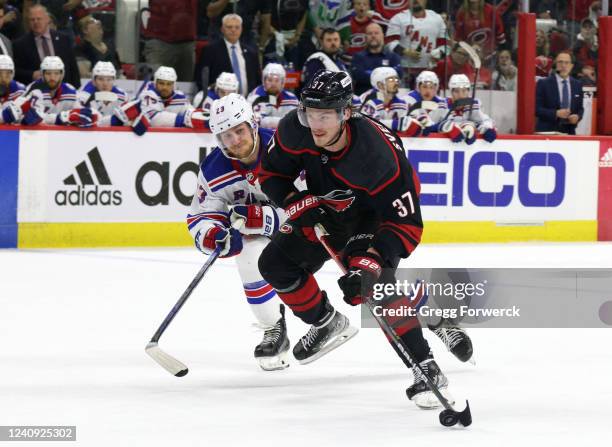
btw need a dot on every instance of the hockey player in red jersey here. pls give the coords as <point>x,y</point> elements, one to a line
<point>362,189</point>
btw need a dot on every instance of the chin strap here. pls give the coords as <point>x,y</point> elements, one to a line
<point>338,135</point>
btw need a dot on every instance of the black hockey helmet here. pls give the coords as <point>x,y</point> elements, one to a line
<point>328,90</point>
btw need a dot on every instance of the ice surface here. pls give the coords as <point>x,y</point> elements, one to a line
<point>74,323</point>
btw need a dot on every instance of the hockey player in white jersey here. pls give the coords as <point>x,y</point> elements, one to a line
<point>270,100</point>
<point>226,192</point>
<point>10,89</point>
<point>383,103</point>
<point>225,84</point>
<point>414,34</point>
<point>49,100</point>
<point>100,95</point>
<point>463,119</point>
<point>424,99</point>
<point>159,105</point>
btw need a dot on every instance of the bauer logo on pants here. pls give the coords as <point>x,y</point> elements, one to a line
<point>90,185</point>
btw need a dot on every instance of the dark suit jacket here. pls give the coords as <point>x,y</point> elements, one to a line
<point>216,57</point>
<point>548,102</point>
<point>27,60</point>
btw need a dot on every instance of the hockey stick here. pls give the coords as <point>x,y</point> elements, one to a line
<point>166,361</point>
<point>449,416</point>
<point>476,61</point>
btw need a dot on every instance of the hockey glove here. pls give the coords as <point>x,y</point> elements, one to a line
<point>82,117</point>
<point>257,219</point>
<point>489,134</point>
<point>357,284</point>
<point>304,209</point>
<point>11,113</point>
<point>141,124</point>
<point>452,131</point>
<point>229,239</point>
<point>469,132</point>
<point>406,124</point>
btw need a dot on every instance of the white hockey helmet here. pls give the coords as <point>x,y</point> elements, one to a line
<point>6,63</point>
<point>227,81</point>
<point>274,69</point>
<point>104,69</point>
<point>459,81</point>
<point>165,74</point>
<point>229,112</point>
<point>381,74</point>
<point>427,76</point>
<point>52,63</point>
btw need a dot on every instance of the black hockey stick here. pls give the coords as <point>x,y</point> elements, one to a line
<point>166,361</point>
<point>449,416</point>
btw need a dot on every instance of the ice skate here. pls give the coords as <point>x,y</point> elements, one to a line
<point>320,339</point>
<point>420,393</point>
<point>273,350</point>
<point>457,341</point>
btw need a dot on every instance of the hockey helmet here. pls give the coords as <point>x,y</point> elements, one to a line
<point>165,74</point>
<point>381,74</point>
<point>104,69</point>
<point>229,112</point>
<point>427,76</point>
<point>6,63</point>
<point>227,81</point>
<point>328,90</point>
<point>459,81</point>
<point>52,63</point>
<point>274,69</point>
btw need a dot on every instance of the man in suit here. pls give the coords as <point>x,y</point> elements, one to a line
<point>230,55</point>
<point>40,42</point>
<point>559,98</point>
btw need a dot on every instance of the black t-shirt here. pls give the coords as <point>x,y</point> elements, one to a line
<point>286,14</point>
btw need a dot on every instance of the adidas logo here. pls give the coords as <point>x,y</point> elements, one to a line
<point>606,160</point>
<point>88,191</point>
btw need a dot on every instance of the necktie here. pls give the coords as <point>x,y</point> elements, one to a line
<point>45,46</point>
<point>236,67</point>
<point>565,97</point>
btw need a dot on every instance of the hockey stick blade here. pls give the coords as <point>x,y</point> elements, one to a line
<point>166,361</point>
<point>472,53</point>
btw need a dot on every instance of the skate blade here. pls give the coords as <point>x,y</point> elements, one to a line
<point>275,362</point>
<point>428,400</point>
<point>335,342</point>
<point>471,361</point>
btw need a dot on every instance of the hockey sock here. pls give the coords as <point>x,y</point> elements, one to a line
<point>261,298</point>
<point>306,300</point>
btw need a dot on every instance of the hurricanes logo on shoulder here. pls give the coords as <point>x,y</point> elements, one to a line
<point>339,200</point>
<point>88,191</point>
<point>606,159</point>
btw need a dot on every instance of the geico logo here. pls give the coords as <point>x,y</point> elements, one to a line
<point>92,196</point>
<point>517,177</point>
<point>162,171</point>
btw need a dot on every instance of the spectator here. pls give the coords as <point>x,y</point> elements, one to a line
<point>225,84</point>
<point>559,98</point>
<point>230,55</point>
<point>248,10</point>
<point>576,11</point>
<point>10,21</point>
<point>457,63</point>
<point>548,9</point>
<point>288,22</point>
<point>328,58</point>
<point>100,95</point>
<point>40,42</point>
<point>388,9</point>
<point>270,101</point>
<point>588,76</point>
<point>359,21</point>
<point>414,34</point>
<point>170,35</point>
<point>586,46</point>
<point>324,15</point>
<point>480,23</point>
<point>375,55</point>
<point>542,43</point>
<point>94,48</point>
<point>505,74</point>
<point>60,11</point>
<point>595,12</point>
<point>543,66</point>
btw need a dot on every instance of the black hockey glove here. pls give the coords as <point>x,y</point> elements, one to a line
<point>304,209</point>
<point>357,284</point>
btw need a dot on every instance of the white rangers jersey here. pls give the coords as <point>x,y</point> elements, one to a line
<point>15,90</point>
<point>269,109</point>
<point>163,112</point>
<point>205,103</point>
<point>373,105</point>
<point>464,114</point>
<point>101,103</point>
<point>50,104</point>
<point>422,34</point>
<point>221,183</point>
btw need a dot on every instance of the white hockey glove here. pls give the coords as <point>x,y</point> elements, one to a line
<point>469,132</point>
<point>261,220</point>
